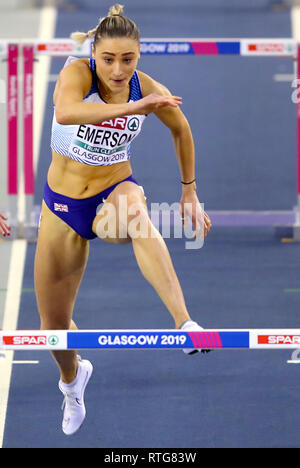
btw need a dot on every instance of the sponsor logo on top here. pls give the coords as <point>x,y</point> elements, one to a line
<point>119,123</point>
<point>133,124</point>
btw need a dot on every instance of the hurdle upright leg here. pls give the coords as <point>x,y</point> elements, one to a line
<point>12,135</point>
<point>28,169</point>
<point>296,229</point>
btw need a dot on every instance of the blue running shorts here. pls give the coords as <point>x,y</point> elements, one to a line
<point>79,214</point>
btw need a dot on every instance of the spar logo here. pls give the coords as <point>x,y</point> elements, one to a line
<point>56,47</point>
<point>271,48</point>
<point>29,340</point>
<point>279,339</point>
<point>133,124</point>
<point>25,340</point>
<point>53,340</point>
<point>118,123</point>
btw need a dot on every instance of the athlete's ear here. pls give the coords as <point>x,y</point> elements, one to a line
<point>139,51</point>
<point>93,50</point>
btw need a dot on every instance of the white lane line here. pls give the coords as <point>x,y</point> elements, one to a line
<point>10,321</point>
<point>3,357</point>
<point>26,362</point>
<point>284,77</point>
<point>46,31</point>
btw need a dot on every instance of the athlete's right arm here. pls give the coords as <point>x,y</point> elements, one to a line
<point>73,85</point>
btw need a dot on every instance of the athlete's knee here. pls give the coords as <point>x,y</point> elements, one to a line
<point>105,221</point>
<point>108,227</point>
<point>136,208</point>
<point>116,219</point>
<point>139,224</point>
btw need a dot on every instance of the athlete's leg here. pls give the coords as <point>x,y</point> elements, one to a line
<point>149,247</point>
<point>60,262</point>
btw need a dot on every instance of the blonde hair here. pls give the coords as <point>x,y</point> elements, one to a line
<point>113,25</point>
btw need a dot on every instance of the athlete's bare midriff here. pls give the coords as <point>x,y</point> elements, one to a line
<point>77,180</point>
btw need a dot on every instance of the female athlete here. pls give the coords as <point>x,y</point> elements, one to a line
<point>100,105</point>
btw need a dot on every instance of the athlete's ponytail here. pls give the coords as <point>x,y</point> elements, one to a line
<point>113,25</point>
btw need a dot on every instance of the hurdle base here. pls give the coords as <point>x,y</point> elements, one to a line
<point>14,230</point>
<point>292,233</point>
<point>30,233</point>
<point>296,233</point>
<point>22,232</point>
<point>30,228</point>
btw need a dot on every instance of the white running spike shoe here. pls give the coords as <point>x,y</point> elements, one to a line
<point>73,404</point>
<point>190,325</point>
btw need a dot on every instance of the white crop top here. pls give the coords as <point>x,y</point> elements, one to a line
<point>105,143</point>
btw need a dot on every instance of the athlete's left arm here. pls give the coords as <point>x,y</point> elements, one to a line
<point>183,140</point>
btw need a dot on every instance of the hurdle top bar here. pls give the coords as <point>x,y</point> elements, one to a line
<point>150,339</point>
<point>273,47</point>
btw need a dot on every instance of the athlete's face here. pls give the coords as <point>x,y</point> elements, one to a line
<point>116,60</point>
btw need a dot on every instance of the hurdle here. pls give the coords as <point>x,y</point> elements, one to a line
<point>55,340</point>
<point>19,130</point>
<point>21,56</point>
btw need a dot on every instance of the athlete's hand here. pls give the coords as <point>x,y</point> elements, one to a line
<point>190,207</point>
<point>4,228</point>
<point>153,102</point>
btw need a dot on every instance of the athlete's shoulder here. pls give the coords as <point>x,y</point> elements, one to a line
<point>76,75</point>
<point>149,85</point>
<point>81,65</point>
